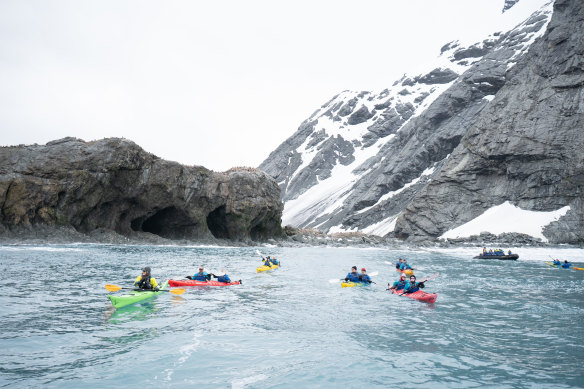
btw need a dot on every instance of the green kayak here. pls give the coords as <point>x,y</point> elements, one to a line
<point>134,296</point>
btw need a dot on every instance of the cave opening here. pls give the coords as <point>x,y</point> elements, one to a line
<point>217,223</point>
<point>170,223</point>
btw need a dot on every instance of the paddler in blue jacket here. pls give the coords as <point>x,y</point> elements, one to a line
<point>202,275</point>
<point>405,266</point>
<point>269,262</point>
<point>566,265</point>
<point>399,285</point>
<point>222,277</point>
<point>353,276</point>
<point>557,262</point>
<point>413,286</point>
<point>146,281</point>
<point>398,264</point>
<point>364,277</point>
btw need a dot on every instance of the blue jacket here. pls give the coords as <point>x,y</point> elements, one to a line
<point>557,263</point>
<point>204,276</point>
<point>354,277</point>
<point>399,285</point>
<point>405,266</point>
<point>268,263</point>
<point>365,279</point>
<point>224,278</point>
<point>566,265</point>
<point>411,288</point>
<point>398,265</point>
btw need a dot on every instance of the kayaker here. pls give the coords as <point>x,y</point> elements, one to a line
<point>222,276</point>
<point>566,265</point>
<point>364,277</point>
<point>413,286</point>
<point>275,261</point>
<point>353,276</point>
<point>268,262</point>
<point>400,284</point>
<point>557,262</point>
<point>145,280</point>
<point>398,264</point>
<point>202,275</point>
<point>405,266</point>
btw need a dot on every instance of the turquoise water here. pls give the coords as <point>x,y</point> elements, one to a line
<point>496,323</point>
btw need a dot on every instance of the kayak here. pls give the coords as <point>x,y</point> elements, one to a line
<point>560,267</point>
<point>350,284</point>
<point>407,272</point>
<point>134,296</point>
<point>264,268</point>
<point>200,283</point>
<point>419,295</point>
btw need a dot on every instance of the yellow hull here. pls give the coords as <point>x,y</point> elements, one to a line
<point>351,284</point>
<point>264,268</point>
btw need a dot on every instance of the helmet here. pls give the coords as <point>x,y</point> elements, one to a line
<point>413,276</point>
<point>403,275</point>
<point>363,269</point>
<point>147,269</point>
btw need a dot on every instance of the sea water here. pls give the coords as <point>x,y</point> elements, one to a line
<point>504,324</point>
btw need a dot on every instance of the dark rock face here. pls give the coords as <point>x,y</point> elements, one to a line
<point>526,146</point>
<point>404,152</point>
<point>113,184</point>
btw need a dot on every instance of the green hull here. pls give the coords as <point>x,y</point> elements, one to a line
<point>134,297</point>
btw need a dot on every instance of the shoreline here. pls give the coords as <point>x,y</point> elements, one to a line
<point>297,238</point>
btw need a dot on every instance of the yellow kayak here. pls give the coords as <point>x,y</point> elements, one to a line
<point>264,268</point>
<point>350,284</point>
<point>407,272</point>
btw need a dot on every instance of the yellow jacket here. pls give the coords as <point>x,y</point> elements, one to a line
<point>152,281</point>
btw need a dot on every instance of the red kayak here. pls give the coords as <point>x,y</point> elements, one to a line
<point>419,295</point>
<point>200,283</point>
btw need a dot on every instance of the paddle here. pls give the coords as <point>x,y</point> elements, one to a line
<point>335,280</point>
<point>115,288</point>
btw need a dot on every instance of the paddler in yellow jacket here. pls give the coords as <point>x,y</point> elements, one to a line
<point>146,281</point>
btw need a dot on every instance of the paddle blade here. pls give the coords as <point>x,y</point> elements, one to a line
<point>373,274</point>
<point>260,254</point>
<point>177,291</point>
<point>432,277</point>
<point>112,288</point>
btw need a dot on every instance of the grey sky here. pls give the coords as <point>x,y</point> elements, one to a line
<point>213,83</point>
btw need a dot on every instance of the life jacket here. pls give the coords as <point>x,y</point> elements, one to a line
<point>399,285</point>
<point>145,283</point>
<point>409,288</point>
<point>224,278</point>
<point>201,276</point>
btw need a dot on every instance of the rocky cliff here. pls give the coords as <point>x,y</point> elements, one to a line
<point>114,184</point>
<point>358,161</point>
<point>526,147</point>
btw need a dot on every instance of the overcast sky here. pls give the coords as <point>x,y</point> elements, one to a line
<point>212,83</point>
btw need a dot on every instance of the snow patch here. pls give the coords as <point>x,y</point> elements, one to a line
<point>383,227</point>
<point>507,217</point>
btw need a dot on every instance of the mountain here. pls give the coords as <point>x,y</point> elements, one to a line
<point>114,185</point>
<point>370,162</point>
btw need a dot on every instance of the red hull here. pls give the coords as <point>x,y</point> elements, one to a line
<point>419,295</point>
<point>200,283</point>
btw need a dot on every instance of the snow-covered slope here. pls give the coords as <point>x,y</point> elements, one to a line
<point>359,159</point>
